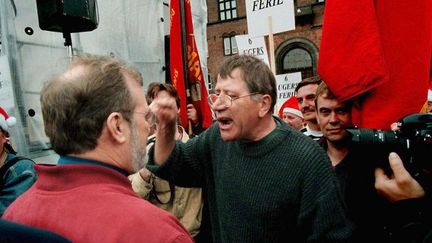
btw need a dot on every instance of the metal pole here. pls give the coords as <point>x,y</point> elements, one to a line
<point>68,43</point>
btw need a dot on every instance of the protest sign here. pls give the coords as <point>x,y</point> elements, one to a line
<point>252,46</point>
<point>259,11</point>
<point>286,84</point>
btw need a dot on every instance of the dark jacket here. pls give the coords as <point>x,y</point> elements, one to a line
<point>16,180</point>
<point>13,232</point>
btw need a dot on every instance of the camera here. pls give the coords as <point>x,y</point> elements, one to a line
<point>412,142</point>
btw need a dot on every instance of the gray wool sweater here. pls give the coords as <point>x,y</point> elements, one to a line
<point>279,189</point>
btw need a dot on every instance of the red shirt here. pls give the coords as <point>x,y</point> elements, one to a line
<point>91,203</point>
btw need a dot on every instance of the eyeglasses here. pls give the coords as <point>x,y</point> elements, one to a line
<point>225,100</point>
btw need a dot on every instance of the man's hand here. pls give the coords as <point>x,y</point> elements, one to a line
<point>401,185</point>
<point>165,109</point>
<point>192,114</point>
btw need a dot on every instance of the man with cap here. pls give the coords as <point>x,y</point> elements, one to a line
<point>291,114</point>
<point>16,173</point>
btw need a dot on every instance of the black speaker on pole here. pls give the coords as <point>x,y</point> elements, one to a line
<point>67,16</point>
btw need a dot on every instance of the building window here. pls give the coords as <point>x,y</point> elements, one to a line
<point>227,9</point>
<point>230,45</point>
<point>298,60</point>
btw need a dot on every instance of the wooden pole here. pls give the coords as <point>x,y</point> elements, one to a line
<point>272,57</point>
<point>271,45</point>
<point>185,58</point>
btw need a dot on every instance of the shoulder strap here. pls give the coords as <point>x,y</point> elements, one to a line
<point>153,194</point>
<point>7,165</point>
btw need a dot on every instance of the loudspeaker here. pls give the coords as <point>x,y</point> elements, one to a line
<point>67,15</point>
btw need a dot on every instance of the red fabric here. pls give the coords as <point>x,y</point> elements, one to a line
<point>379,52</point>
<point>195,75</point>
<point>88,203</point>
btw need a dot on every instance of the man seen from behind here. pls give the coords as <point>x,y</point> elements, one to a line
<point>98,120</point>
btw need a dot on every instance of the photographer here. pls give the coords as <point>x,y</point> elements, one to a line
<point>356,177</point>
<point>375,218</point>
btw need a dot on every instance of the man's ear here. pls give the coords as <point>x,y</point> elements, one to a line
<point>117,127</point>
<point>265,105</point>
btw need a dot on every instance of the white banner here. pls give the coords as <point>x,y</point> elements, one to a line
<point>252,46</point>
<point>258,11</point>
<point>286,84</point>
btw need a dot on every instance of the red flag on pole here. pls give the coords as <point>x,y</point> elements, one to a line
<point>187,76</point>
<point>379,52</point>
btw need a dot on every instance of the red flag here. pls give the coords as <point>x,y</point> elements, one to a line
<point>379,52</point>
<point>194,80</point>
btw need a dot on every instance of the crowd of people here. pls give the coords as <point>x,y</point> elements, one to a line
<point>129,172</point>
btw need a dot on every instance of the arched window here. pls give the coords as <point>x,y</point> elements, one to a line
<point>297,55</point>
<point>298,60</point>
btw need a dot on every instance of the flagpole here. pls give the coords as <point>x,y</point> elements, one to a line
<point>184,58</point>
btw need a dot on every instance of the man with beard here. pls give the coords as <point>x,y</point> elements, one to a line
<point>374,218</point>
<point>305,93</point>
<point>263,180</point>
<point>98,120</point>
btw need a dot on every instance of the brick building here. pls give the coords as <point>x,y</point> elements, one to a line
<point>295,50</point>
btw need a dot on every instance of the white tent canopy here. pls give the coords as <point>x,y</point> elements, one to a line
<point>133,30</point>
